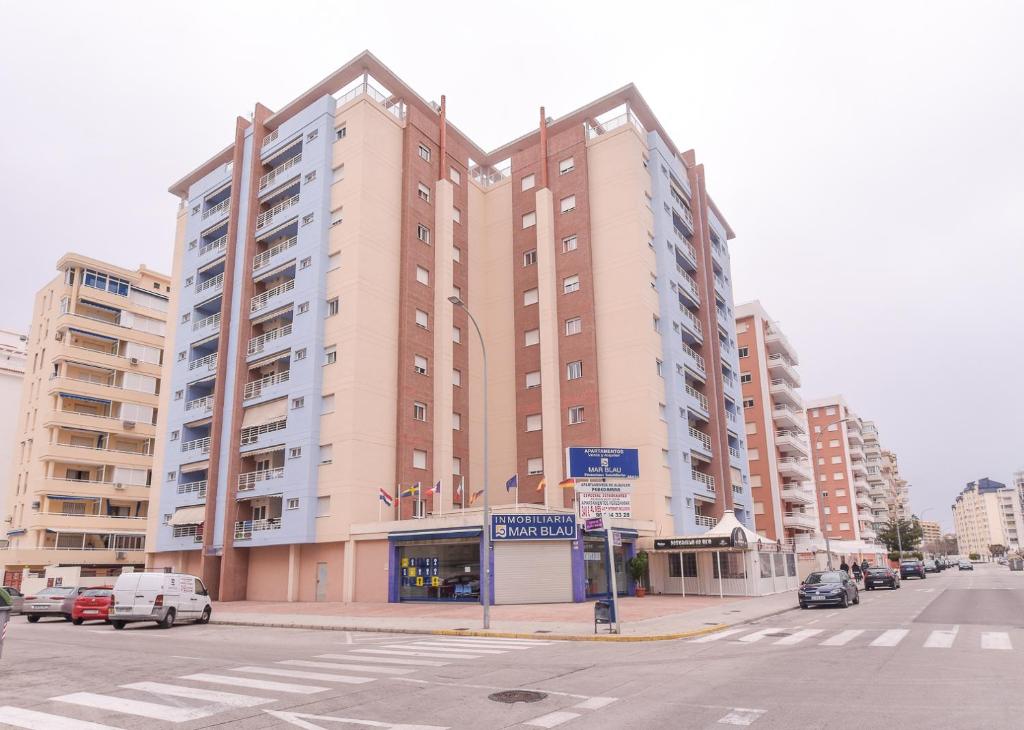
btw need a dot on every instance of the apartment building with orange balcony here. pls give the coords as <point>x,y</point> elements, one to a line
<point>778,452</point>
<point>79,486</point>
<point>323,419</point>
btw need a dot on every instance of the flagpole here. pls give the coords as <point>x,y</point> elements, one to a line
<point>543,477</point>
<point>440,496</point>
<point>462,497</point>
<point>517,491</point>
<point>380,508</point>
<point>399,501</point>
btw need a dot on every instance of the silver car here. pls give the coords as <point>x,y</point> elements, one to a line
<point>17,599</point>
<point>56,601</point>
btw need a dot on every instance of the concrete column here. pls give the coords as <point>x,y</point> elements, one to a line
<point>444,277</point>
<point>293,572</point>
<point>550,364</point>
<point>348,576</point>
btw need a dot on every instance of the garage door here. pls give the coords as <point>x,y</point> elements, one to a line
<point>533,572</point>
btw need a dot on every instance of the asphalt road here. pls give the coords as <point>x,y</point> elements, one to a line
<point>938,653</point>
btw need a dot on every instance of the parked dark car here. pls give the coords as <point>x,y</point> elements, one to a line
<point>884,577</point>
<point>829,587</point>
<point>966,565</point>
<point>930,566</point>
<point>912,567</point>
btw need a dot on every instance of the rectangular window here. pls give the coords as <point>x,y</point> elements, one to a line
<point>333,307</point>
<point>840,492</point>
<point>566,166</point>
<point>422,276</point>
<point>570,284</point>
<point>529,220</point>
<point>456,422</point>
<point>533,422</point>
<point>326,453</point>
<point>657,323</point>
<point>292,503</point>
<point>304,307</point>
<point>419,459</point>
<point>295,452</point>
<point>830,411</point>
<point>457,377</point>
<point>456,465</point>
<point>828,510</point>
<point>843,526</point>
<point>833,442</point>
<point>340,133</point>
<point>419,411</point>
<point>573,326</point>
<point>533,379</point>
<point>339,174</point>
<point>422,319</point>
<point>748,402</point>
<point>838,476</point>
<point>456,215</point>
<point>529,297</point>
<point>455,176</point>
<point>330,355</point>
<point>659,367</point>
<point>334,261</point>
<point>300,354</point>
<point>843,509</point>
<point>337,216</point>
<point>744,352</point>
<point>424,152</point>
<point>299,402</point>
<point>569,243</point>
<point>530,257</point>
<point>535,466</point>
<point>423,233</point>
<point>751,427</point>
<point>575,415</point>
<point>837,460</point>
<point>745,377</point>
<point>753,454</point>
<point>456,335</point>
<point>327,403</point>
<point>423,192</point>
<point>531,337</point>
<point>574,370</point>
<point>528,181</point>
<point>419,364</point>
<point>568,204</point>
<point>323,506</point>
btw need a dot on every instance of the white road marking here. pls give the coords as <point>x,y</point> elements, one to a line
<point>450,684</point>
<point>349,667</point>
<point>298,689</point>
<point>798,637</point>
<point>595,703</point>
<point>757,635</point>
<point>552,719</point>
<point>32,720</point>
<point>152,710</point>
<point>941,638</point>
<point>717,635</point>
<point>497,639</point>
<point>386,660</point>
<point>925,590</point>
<point>230,699</point>
<point>294,674</point>
<point>435,655</point>
<point>890,638</point>
<point>741,716</point>
<point>996,640</point>
<point>477,645</point>
<point>843,638</point>
<point>439,647</point>
<point>301,719</point>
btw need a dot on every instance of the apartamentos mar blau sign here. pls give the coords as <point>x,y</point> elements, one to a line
<point>598,462</point>
<point>533,527</point>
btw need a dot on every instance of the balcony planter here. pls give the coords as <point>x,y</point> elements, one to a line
<point>637,567</point>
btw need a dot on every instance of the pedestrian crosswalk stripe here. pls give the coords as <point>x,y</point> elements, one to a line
<point>843,637</point>
<point>295,674</point>
<point>941,638</point>
<point>996,640</point>
<point>439,647</point>
<point>385,660</point>
<point>229,699</point>
<point>298,689</point>
<point>717,635</point>
<point>479,644</point>
<point>348,667</point>
<point>552,719</point>
<point>757,635</point>
<point>798,637</point>
<point>498,640</point>
<point>152,710</point>
<point>892,637</point>
<point>32,720</point>
<point>405,652</point>
<point>594,703</point>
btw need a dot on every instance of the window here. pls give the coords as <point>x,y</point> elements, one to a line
<point>456,215</point>
<point>833,442</point>
<point>529,181</point>
<point>533,422</point>
<point>456,254</point>
<point>310,176</point>
<point>419,459</point>
<point>843,509</point>
<point>171,476</point>
<point>822,477</point>
<point>840,492</point>
<point>334,261</point>
<point>339,174</point>
<point>456,465</point>
<point>751,427</point>
<point>657,323</point>
<point>748,402</point>
<point>744,352</point>
<point>422,276</point>
<point>299,402</point>
<point>419,364</point>
<point>828,510</point>
<point>455,176</point>
<point>755,480</point>
<point>424,152</point>
<point>753,454</point>
<point>745,377</point>
<point>326,453</point>
<point>531,337</point>
<point>566,166</point>
<point>456,423</point>
<point>843,525</point>
<point>312,135</point>
<point>530,297</point>
<point>295,452</point>
<point>292,503</point>
<point>323,506</point>
<point>423,233</point>
<point>570,284</point>
<point>533,379</point>
<point>837,460</point>
<point>821,461</point>
<point>833,427</point>
<point>304,307</point>
<point>575,415</point>
<point>423,192</point>
<point>568,204</point>
<point>419,411</point>
<point>662,413</point>
<point>308,218</point>
<point>327,403</point>
<point>456,377</point>
<point>535,466</point>
<point>456,335</point>
<point>422,319</point>
<point>336,217</point>
<point>179,394</point>
<point>830,411</point>
<point>340,132</point>
<point>330,355</point>
<point>333,307</point>
<point>184,318</point>
<point>659,367</point>
<point>457,292</point>
<point>182,355</point>
<point>306,262</point>
<point>573,326</point>
<point>175,435</point>
<point>838,476</point>
<point>530,257</point>
<point>574,370</point>
<point>569,243</point>
<point>300,354</point>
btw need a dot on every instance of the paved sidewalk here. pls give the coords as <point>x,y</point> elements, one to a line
<point>643,619</point>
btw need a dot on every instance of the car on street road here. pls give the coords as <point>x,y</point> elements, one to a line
<point>93,605</point>
<point>829,587</point>
<point>17,599</point>
<point>966,565</point>
<point>885,577</point>
<point>912,567</point>
<point>56,601</point>
<point>930,566</point>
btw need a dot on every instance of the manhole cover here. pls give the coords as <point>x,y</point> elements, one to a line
<point>511,696</point>
<point>542,631</point>
<point>780,633</point>
<point>711,623</point>
<point>462,629</point>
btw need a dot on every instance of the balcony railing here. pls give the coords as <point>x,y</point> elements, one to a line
<point>249,480</point>
<point>694,354</point>
<point>211,283</point>
<point>256,387</point>
<point>217,209</point>
<point>200,404</point>
<point>202,445</point>
<point>251,434</point>
<point>692,319</point>
<point>688,282</point>
<point>706,479</point>
<point>216,245</point>
<point>267,180</point>
<point>245,528</point>
<point>207,361</point>
<point>259,301</point>
<point>256,344</point>
<point>704,520</point>
<point>702,437</point>
<point>698,396</point>
<point>196,488</point>
<point>595,129</point>
<point>264,219</point>
<point>211,321</point>
<point>262,259</point>
<point>735,453</point>
<point>393,106</point>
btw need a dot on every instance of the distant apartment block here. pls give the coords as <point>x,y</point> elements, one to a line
<point>13,356</point>
<point>78,490</point>
<point>778,451</point>
<point>987,513</point>
<point>930,531</point>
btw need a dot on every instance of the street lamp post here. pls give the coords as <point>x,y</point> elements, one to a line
<point>828,547</point>
<point>485,567</point>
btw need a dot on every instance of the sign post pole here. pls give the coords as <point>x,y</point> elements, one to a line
<point>611,577</point>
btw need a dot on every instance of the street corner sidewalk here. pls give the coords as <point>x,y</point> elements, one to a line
<point>652,618</point>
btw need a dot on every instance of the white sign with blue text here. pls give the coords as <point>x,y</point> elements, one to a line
<point>533,527</point>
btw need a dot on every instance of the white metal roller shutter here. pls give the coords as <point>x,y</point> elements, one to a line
<point>533,572</point>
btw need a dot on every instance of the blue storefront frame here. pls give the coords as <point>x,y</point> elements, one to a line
<point>579,568</point>
<point>395,542</point>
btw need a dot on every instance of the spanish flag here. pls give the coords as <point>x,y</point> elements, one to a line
<point>475,496</point>
<point>542,484</point>
<point>569,483</point>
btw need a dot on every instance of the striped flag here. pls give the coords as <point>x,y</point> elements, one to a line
<point>475,496</point>
<point>436,489</point>
<point>386,498</point>
<point>569,483</point>
<point>542,484</point>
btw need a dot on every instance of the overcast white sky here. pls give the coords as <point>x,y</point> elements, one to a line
<point>867,154</point>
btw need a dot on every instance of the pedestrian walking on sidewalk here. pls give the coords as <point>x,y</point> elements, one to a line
<point>856,571</point>
<point>844,566</point>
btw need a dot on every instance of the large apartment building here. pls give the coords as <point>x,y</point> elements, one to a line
<point>83,449</point>
<point>987,513</point>
<point>13,355</point>
<point>778,451</point>
<point>320,369</point>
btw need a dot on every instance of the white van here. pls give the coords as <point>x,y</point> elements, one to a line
<point>161,597</point>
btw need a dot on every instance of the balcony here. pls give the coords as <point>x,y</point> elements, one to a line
<point>257,344</point>
<point>856,452</point>
<point>688,286</point>
<point>212,322</point>
<point>859,468</point>
<point>799,521</point>
<point>777,343</point>
<point>261,301</point>
<point>267,217</point>
<point>784,392</point>
<point>735,453</point>
<point>278,176</point>
<point>705,479</point>
<point>214,283</point>
<point>794,468</point>
<point>785,415</point>
<point>705,520</point>
<point>691,324</point>
<point>251,434</point>
<point>250,480</point>
<point>702,439</point>
<point>196,446</point>
<point>218,244</point>
<point>797,494</point>
<point>868,533</point>
<point>791,441</point>
<point>864,501</point>
<point>264,259</point>
<point>217,210</point>
<point>244,530</point>
<point>255,388</point>
<point>698,360</point>
<point>779,364</point>
<point>196,489</point>
<point>853,435</point>
<point>686,254</point>
<point>697,399</point>
<point>201,406</point>
<point>207,362</point>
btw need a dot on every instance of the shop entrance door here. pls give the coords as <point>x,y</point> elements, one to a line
<point>321,581</point>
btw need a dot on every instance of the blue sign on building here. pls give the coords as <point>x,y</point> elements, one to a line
<point>533,527</point>
<point>598,462</point>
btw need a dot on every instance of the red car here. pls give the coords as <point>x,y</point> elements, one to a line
<point>92,605</point>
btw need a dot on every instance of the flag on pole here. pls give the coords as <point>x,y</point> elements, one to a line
<point>569,483</point>
<point>475,497</point>
<point>512,483</point>
<point>386,498</point>
<point>411,491</point>
<point>543,483</point>
<point>436,489</point>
